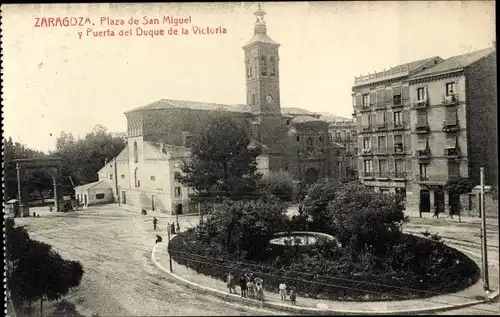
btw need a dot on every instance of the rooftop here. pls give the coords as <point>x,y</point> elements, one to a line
<point>456,63</point>
<point>303,119</point>
<point>397,71</point>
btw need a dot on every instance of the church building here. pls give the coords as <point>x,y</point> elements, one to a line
<point>159,134</point>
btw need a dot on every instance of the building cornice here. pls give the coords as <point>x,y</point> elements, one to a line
<point>438,76</point>
<point>384,82</point>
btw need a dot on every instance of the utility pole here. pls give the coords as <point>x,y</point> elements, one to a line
<point>168,250</point>
<point>18,167</point>
<point>484,246</point>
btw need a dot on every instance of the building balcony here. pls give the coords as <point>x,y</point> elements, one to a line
<point>422,128</point>
<point>381,126</point>
<point>398,175</point>
<point>381,106</point>
<point>423,154</point>
<point>369,175</point>
<point>452,153</point>
<point>449,100</point>
<point>362,109</point>
<point>399,126</point>
<point>435,179</point>
<point>366,128</point>
<point>398,150</point>
<point>450,127</point>
<point>421,104</point>
<point>380,151</point>
<point>366,152</point>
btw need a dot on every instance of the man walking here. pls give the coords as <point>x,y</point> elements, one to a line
<point>155,221</point>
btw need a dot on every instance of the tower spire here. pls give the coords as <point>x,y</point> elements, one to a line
<point>260,24</point>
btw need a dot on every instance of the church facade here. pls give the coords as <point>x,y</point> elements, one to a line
<point>159,135</point>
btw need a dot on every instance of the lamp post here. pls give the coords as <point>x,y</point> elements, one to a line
<point>484,246</point>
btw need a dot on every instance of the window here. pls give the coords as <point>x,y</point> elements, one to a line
<point>152,178</point>
<point>450,89</point>
<point>123,176</point>
<point>99,196</point>
<point>110,176</point>
<point>368,166</point>
<point>397,119</point>
<point>422,119</point>
<point>288,122</point>
<point>381,118</point>
<point>423,171</point>
<point>273,66</point>
<point>366,100</point>
<point>298,138</point>
<point>348,134</point>
<point>382,167</point>
<point>453,168</point>
<point>450,118</point>
<point>136,153</point>
<point>398,140</point>
<point>253,99</point>
<point>396,95</point>
<point>343,134</point>
<point>381,141</point>
<point>366,143</point>
<point>263,66</point>
<point>136,178</point>
<point>421,93</point>
<point>177,192</point>
<point>309,145</point>
<point>248,72</point>
<point>399,166</point>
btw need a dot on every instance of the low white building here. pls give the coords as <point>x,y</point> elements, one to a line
<point>100,192</point>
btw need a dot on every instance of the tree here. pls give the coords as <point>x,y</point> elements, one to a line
<point>38,272</point>
<point>316,202</point>
<point>82,158</point>
<point>455,188</point>
<point>245,227</point>
<point>280,184</point>
<point>362,218</point>
<point>223,159</point>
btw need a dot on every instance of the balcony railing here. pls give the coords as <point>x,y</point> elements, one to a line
<point>381,105</point>
<point>450,127</point>
<point>399,126</point>
<point>381,126</point>
<point>449,100</point>
<point>366,152</point>
<point>421,104</point>
<point>385,175</point>
<point>422,128</point>
<point>435,178</point>
<point>363,108</point>
<point>423,154</point>
<point>452,153</point>
<point>398,149</point>
<point>366,128</point>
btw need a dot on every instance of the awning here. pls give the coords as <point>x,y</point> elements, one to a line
<point>422,145</point>
<point>451,143</point>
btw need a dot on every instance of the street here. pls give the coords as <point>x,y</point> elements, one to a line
<point>114,245</point>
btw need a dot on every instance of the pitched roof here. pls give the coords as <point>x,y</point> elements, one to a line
<point>455,63</point>
<point>410,66</point>
<point>195,105</point>
<point>89,185</point>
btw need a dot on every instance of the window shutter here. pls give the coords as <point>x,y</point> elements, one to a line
<point>358,100</point>
<point>406,93</point>
<point>360,165</point>
<point>451,116</point>
<point>406,118</point>
<point>388,118</point>
<point>375,165</point>
<point>373,119</point>
<point>380,97</point>
<point>406,141</point>
<point>388,95</point>
<point>408,165</point>
<point>421,118</point>
<point>373,97</point>
<point>391,165</point>
<point>374,142</point>
<point>390,141</point>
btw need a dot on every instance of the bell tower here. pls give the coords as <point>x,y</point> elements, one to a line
<point>263,89</point>
<point>262,69</point>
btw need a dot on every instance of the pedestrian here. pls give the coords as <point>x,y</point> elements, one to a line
<point>155,221</point>
<point>243,285</point>
<point>293,296</point>
<point>178,228</point>
<point>282,290</point>
<point>259,290</point>
<point>158,239</point>
<point>436,212</point>
<point>168,226</point>
<point>172,229</point>
<point>231,283</point>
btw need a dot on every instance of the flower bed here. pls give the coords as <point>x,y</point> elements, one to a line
<point>416,268</point>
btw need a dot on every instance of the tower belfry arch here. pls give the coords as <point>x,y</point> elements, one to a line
<point>51,166</point>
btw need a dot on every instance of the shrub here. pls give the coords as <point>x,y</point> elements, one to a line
<point>316,202</point>
<point>280,184</point>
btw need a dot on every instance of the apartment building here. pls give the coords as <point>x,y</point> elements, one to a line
<point>344,135</point>
<point>382,116</point>
<point>453,127</point>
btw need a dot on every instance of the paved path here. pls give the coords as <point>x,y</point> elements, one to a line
<point>114,246</point>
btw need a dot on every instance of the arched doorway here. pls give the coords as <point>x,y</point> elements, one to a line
<point>311,176</point>
<point>425,201</point>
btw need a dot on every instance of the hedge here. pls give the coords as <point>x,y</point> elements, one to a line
<point>417,268</point>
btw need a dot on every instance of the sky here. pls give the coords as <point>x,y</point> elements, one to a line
<point>54,81</point>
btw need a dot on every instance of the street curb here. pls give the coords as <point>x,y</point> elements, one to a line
<point>310,310</point>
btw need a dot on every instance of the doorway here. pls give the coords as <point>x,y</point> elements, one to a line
<point>425,201</point>
<point>178,209</point>
<point>311,176</point>
<point>439,201</point>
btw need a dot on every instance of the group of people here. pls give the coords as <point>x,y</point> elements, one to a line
<point>170,227</point>
<point>250,287</point>
<point>282,291</point>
